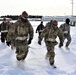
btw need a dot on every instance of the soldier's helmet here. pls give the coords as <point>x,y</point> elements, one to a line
<point>25,14</point>
<point>55,22</point>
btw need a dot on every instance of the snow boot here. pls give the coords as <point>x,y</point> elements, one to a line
<point>52,64</point>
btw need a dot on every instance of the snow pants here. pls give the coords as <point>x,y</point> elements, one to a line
<point>21,49</point>
<point>50,52</point>
<point>68,37</point>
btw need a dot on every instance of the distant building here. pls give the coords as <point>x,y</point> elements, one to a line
<point>58,18</point>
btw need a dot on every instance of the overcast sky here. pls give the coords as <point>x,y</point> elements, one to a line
<point>37,7</point>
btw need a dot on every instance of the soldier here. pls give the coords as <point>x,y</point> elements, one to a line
<point>50,35</point>
<point>23,34</point>
<point>66,31</point>
<point>4,30</point>
<point>40,28</point>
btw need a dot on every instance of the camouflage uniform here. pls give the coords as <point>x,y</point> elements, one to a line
<point>11,36</point>
<point>48,25</point>
<point>4,30</point>
<point>40,29</point>
<point>50,35</point>
<point>23,31</point>
<point>66,31</point>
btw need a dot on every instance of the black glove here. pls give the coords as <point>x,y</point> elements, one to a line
<point>39,42</point>
<point>8,43</point>
<point>29,41</point>
<point>60,45</point>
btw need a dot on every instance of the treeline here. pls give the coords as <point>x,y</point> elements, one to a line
<point>15,17</point>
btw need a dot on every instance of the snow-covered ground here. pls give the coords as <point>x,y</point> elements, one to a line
<point>35,63</point>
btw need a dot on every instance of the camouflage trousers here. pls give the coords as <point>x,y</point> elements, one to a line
<point>12,43</point>
<point>68,37</point>
<point>50,52</point>
<point>21,49</point>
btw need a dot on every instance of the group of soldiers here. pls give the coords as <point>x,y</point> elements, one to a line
<point>50,33</point>
<point>20,34</point>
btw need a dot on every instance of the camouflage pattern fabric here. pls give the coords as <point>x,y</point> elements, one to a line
<point>11,35</point>
<point>21,32</point>
<point>66,31</point>
<point>50,35</point>
<point>21,49</point>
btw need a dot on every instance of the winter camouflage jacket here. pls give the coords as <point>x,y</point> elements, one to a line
<point>65,28</point>
<point>51,34</point>
<point>21,31</point>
